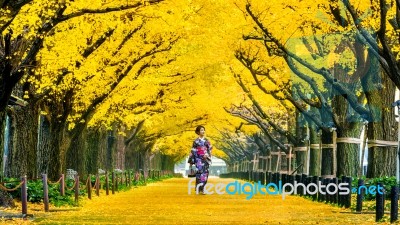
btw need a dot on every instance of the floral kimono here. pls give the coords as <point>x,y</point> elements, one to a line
<point>201,158</point>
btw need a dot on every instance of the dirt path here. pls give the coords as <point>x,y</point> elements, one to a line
<point>168,202</point>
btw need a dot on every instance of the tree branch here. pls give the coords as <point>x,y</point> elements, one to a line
<point>106,10</point>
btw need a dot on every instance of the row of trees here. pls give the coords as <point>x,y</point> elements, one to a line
<point>335,68</point>
<point>111,84</point>
<point>148,72</point>
<point>66,59</point>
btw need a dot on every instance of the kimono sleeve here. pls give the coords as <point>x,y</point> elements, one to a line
<point>192,153</point>
<point>209,147</point>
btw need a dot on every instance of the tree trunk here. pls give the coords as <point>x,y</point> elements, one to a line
<point>315,156</point>
<point>50,141</point>
<point>301,154</point>
<point>327,154</point>
<point>111,142</point>
<point>146,161</point>
<point>121,149</point>
<point>75,157</point>
<point>92,151</point>
<point>8,146</point>
<point>102,155</point>
<point>3,117</point>
<point>44,147</point>
<point>25,139</point>
<point>382,126</point>
<point>130,158</point>
<point>348,127</point>
<point>6,199</point>
<point>167,163</point>
<point>348,154</point>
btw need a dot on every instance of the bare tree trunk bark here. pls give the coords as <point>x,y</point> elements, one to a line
<point>44,146</point>
<point>92,151</point>
<point>6,199</point>
<point>111,143</point>
<point>8,146</point>
<point>301,155</point>
<point>120,152</point>
<point>327,154</point>
<point>347,153</point>
<point>102,159</point>
<point>381,160</point>
<point>315,156</point>
<point>25,139</point>
<point>75,155</point>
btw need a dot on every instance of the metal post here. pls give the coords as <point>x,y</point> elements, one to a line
<point>394,204</point>
<point>347,203</point>
<point>380,202</point>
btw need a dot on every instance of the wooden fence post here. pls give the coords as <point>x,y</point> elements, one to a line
<point>45,193</point>
<point>24,195</point>
<point>113,182</point>
<point>97,185</point>
<point>62,185</point>
<point>89,186</point>
<point>107,184</point>
<point>360,195</point>
<point>76,188</point>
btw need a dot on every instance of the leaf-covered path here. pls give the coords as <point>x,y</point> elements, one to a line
<point>168,202</point>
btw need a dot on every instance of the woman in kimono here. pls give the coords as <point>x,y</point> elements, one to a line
<point>200,156</point>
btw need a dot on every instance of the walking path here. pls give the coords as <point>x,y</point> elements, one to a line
<point>168,202</point>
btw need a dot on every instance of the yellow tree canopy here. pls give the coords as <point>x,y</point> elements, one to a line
<point>169,64</point>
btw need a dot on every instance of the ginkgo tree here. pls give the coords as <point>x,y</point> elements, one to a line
<point>26,24</point>
<point>324,31</point>
<point>98,70</point>
<point>196,86</point>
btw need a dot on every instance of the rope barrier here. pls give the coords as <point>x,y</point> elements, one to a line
<point>300,149</point>
<point>73,186</point>
<point>137,176</point>
<point>348,140</point>
<point>382,143</point>
<point>52,183</point>
<point>95,183</point>
<point>10,182</point>
<point>316,146</point>
<point>84,186</point>
<point>276,153</point>
<point>11,189</point>
<point>371,143</point>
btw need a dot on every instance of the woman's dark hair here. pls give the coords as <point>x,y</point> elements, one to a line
<point>198,128</point>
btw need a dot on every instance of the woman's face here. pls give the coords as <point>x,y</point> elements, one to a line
<point>202,132</point>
